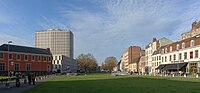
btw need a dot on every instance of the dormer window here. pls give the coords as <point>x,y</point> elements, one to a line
<point>170,48</point>
<point>191,43</point>
<point>165,50</point>
<point>177,47</point>
<point>183,45</point>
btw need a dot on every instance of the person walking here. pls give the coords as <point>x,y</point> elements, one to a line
<point>33,79</point>
<point>29,78</point>
<point>17,80</point>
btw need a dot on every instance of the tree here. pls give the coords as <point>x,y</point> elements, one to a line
<point>110,63</point>
<point>87,62</point>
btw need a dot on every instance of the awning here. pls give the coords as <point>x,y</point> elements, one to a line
<point>161,66</point>
<point>175,66</point>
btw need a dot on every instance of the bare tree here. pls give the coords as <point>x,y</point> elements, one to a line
<point>87,62</point>
<point>110,63</point>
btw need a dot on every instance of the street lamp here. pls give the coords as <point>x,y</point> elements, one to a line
<point>9,42</point>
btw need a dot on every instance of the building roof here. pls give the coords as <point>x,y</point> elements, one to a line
<point>24,49</point>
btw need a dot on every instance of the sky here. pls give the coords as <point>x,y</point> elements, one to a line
<point>100,27</point>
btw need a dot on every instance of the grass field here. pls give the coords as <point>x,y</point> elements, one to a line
<point>105,83</point>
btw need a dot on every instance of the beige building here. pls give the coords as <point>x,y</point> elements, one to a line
<point>150,49</point>
<point>59,41</point>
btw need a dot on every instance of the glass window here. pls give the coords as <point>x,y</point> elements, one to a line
<point>165,58</point>
<point>177,47</point>
<point>170,48</point>
<point>165,50</point>
<point>191,54</point>
<point>180,56</point>
<point>45,59</point>
<point>28,67</point>
<point>18,57</point>
<point>196,53</point>
<point>2,66</point>
<point>33,58</point>
<point>39,58</point>
<point>191,43</point>
<point>174,57</point>
<point>185,55</point>
<point>10,56</point>
<point>170,58</point>
<point>17,67</point>
<point>162,59</point>
<point>1,55</point>
<point>183,45</point>
<point>26,57</point>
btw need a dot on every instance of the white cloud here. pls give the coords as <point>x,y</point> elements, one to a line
<point>122,23</point>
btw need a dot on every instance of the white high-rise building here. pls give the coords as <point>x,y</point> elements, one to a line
<point>59,41</point>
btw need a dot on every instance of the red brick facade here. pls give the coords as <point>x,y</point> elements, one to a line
<point>35,65</point>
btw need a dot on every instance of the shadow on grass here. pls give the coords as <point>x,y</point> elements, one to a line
<point>116,85</point>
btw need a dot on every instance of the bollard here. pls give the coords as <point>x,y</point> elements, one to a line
<point>197,76</point>
<point>172,75</point>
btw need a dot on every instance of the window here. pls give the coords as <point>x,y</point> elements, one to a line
<point>174,57</point>
<point>33,58</point>
<point>196,53</point>
<point>49,59</point>
<point>17,67</point>
<point>170,58</point>
<point>191,43</point>
<point>2,66</point>
<point>165,50</point>
<point>180,55</point>
<point>10,56</point>
<point>39,58</point>
<point>28,67</point>
<point>162,51</point>
<point>183,45</point>
<point>185,55</point>
<point>162,59</point>
<point>170,48</point>
<point>1,55</point>
<point>55,57</point>
<point>45,59</point>
<point>191,54</point>
<point>18,57</point>
<point>25,57</point>
<point>177,47</point>
<point>165,58</point>
<point>48,68</point>
<point>159,57</point>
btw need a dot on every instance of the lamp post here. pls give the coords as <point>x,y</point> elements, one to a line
<point>8,65</point>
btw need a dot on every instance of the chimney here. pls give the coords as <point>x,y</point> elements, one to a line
<point>154,39</point>
<point>48,49</point>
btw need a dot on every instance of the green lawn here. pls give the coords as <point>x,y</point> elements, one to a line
<point>105,83</point>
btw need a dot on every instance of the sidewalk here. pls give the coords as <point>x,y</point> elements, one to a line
<point>23,87</point>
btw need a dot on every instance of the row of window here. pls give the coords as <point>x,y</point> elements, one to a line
<point>26,57</point>
<point>192,43</point>
<point>17,67</point>
<point>173,57</point>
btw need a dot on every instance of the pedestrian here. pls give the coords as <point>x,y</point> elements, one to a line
<point>33,79</point>
<point>29,78</point>
<point>17,80</point>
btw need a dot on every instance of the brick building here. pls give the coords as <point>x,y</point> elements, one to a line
<point>130,58</point>
<point>24,59</point>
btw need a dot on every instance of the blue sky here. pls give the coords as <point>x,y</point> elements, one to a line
<point>101,27</point>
